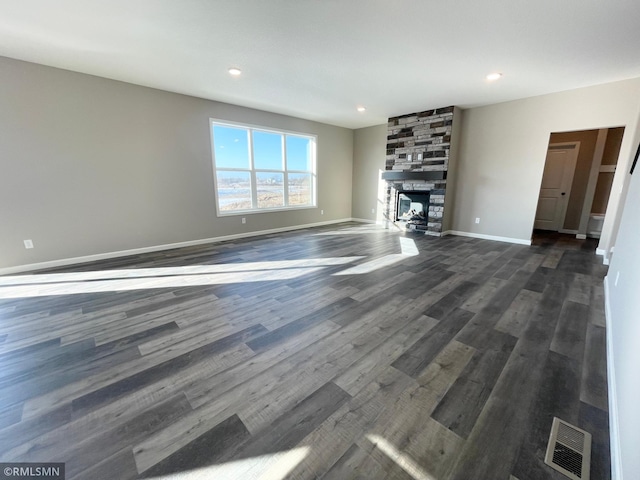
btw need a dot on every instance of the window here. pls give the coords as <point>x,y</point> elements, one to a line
<point>257,169</point>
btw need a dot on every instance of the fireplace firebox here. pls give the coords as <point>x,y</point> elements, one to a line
<point>412,208</point>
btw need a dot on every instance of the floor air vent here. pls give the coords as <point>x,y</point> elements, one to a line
<point>569,450</point>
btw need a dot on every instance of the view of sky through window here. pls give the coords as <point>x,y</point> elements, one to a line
<point>267,151</point>
<point>231,147</point>
<point>257,169</point>
<point>298,153</point>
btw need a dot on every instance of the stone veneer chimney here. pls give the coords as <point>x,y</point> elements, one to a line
<point>421,151</point>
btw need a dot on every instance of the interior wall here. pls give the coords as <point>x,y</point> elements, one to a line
<point>587,139</point>
<point>602,193</point>
<point>452,173</point>
<point>503,149</point>
<point>612,146</point>
<point>369,155</point>
<point>623,332</point>
<point>92,166</point>
<point>605,179</point>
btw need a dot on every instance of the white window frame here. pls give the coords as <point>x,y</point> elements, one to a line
<point>253,171</point>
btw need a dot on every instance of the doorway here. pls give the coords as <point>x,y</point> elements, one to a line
<point>577,180</point>
<point>559,168</point>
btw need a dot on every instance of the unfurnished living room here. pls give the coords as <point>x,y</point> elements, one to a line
<point>316,239</point>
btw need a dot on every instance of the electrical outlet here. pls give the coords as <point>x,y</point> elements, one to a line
<point>28,244</point>
<point>420,157</point>
<point>321,212</point>
<point>477,219</point>
<point>373,210</point>
<point>244,220</point>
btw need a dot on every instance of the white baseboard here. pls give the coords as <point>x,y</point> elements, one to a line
<point>156,248</point>
<point>519,241</point>
<point>581,236</point>
<point>614,430</point>
<point>569,231</point>
<point>603,253</point>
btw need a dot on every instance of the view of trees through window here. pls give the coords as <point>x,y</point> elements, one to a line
<point>261,169</point>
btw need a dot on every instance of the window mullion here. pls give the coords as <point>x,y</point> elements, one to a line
<point>254,179</point>
<point>285,176</point>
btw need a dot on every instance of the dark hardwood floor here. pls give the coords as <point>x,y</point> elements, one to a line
<point>340,352</point>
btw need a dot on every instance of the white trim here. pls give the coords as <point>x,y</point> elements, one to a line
<point>156,248</point>
<point>519,241</point>
<point>614,429</point>
<point>603,253</point>
<point>581,236</point>
<point>570,232</point>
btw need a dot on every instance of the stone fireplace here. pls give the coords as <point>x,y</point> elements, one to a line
<point>420,156</point>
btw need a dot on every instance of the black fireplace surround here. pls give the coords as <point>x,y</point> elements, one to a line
<point>412,207</point>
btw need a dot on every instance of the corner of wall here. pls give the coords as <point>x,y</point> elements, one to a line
<point>614,430</point>
<point>449,201</point>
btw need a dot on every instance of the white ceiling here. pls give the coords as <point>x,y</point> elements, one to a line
<point>319,59</point>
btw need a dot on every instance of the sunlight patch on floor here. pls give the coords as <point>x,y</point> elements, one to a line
<point>403,460</point>
<point>38,285</point>
<point>266,467</point>
<point>408,248</point>
<point>174,281</point>
<point>169,271</point>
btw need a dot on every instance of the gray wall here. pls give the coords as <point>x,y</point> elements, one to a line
<point>369,154</point>
<point>452,173</point>
<point>624,328</point>
<point>501,157</point>
<point>90,166</point>
<point>503,149</point>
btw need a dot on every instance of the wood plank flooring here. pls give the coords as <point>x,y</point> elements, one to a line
<point>334,352</point>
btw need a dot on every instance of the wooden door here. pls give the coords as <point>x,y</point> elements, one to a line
<point>557,179</point>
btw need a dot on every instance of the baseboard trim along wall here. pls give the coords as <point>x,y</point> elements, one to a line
<point>614,432</point>
<point>157,248</point>
<point>519,241</point>
<point>603,253</point>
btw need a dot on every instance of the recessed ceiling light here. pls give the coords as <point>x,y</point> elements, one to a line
<point>361,109</point>
<point>235,71</point>
<point>494,76</point>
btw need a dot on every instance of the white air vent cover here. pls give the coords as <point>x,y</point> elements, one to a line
<point>569,450</point>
